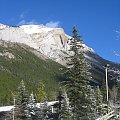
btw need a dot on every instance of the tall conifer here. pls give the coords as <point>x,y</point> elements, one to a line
<point>21,109</point>
<point>78,77</point>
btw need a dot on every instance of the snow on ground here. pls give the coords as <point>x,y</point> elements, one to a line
<point>9,108</point>
<point>48,103</point>
<point>6,108</point>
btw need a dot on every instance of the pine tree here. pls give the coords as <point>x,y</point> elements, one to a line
<point>118,94</point>
<point>113,93</point>
<point>99,102</point>
<point>21,109</point>
<point>41,94</point>
<point>78,77</point>
<point>65,108</point>
<point>43,111</point>
<point>32,107</point>
<point>36,112</point>
<point>59,98</point>
<point>46,110</point>
<point>40,112</point>
<point>92,99</point>
<point>103,90</point>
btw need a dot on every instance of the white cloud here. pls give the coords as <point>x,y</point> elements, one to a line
<point>23,14</point>
<point>52,24</point>
<point>117,54</point>
<point>118,34</point>
<point>117,31</point>
<point>24,22</point>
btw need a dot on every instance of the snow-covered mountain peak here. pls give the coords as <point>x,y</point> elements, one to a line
<point>2,26</point>
<point>52,42</point>
<point>30,29</point>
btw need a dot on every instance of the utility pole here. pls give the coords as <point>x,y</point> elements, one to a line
<point>14,109</point>
<point>107,97</point>
<point>13,106</point>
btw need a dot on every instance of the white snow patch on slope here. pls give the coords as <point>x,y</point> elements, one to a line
<point>30,29</point>
<point>86,48</point>
<point>8,55</point>
<point>16,34</point>
<point>2,26</point>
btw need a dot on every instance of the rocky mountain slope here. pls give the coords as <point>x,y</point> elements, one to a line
<point>52,42</point>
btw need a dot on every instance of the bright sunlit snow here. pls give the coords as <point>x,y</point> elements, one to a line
<point>6,108</point>
<point>30,29</point>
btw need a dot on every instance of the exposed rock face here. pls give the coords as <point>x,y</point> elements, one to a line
<point>52,42</point>
<point>8,55</point>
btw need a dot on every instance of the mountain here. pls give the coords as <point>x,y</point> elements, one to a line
<point>52,42</point>
<point>35,52</point>
<point>20,62</point>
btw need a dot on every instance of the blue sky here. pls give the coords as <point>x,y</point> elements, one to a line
<point>97,20</point>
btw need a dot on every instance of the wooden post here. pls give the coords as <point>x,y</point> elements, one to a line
<point>107,97</point>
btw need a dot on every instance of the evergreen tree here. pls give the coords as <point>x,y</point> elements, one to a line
<point>99,102</point>
<point>43,111</point>
<point>103,90</point>
<point>26,106</point>
<point>59,98</point>
<point>113,93</point>
<point>22,109</point>
<point>40,112</point>
<point>65,108</point>
<point>118,94</point>
<point>41,94</point>
<point>46,110</point>
<point>78,77</point>
<point>32,107</point>
<point>92,99</point>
